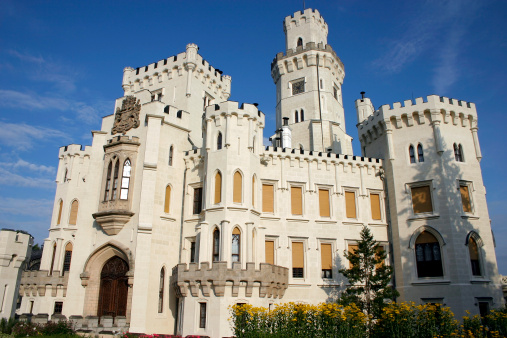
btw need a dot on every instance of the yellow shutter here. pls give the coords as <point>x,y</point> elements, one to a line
<point>68,247</point>
<point>465,198</point>
<point>350,204</point>
<point>253,191</point>
<point>425,237</point>
<point>296,200</point>
<point>326,256</point>
<point>60,212</point>
<point>236,231</point>
<point>421,199</point>
<point>73,212</point>
<point>218,188</point>
<point>167,203</point>
<point>352,248</point>
<point>236,195</point>
<point>375,206</point>
<point>324,203</point>
<point>267,198</point>
<point>298,260</point>
<point>270,252</point>
<point>472,248</point>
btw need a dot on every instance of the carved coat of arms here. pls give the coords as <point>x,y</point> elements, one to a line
<point>127,117</point>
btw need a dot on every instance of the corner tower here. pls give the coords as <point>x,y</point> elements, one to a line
<point>309,78</point>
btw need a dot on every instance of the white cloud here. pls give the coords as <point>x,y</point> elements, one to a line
<point>27,165</point>
<point>18,206</point>
<point>22,136</point>
<point>11,179</point>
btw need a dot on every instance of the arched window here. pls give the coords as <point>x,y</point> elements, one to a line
<point>161,291</point>
<point>115,180</point>
<point>321,84</point>
<point>300,42</point>
<point>218,188</point>
<point>219,141</point>
<point>167,202</point>
<point>420,153</point>
<point>108,181</point>
<point>458,152</point>
<point>236,245</point>
<point>462,157</point>
<point>216,245</point>
<point>253,191</point>
<point>296,117</point>
<point>68,257</point>
<point>65,177</point>
<point>302,115</point>
<point>238,184</point>
<point>427,252</point>
<point>171,155</point>
<point>473,250</point>
<point>411,153</point>
<point>73,212</point>
<point>60,207</point>
<point>125,180</point>
<point>53,260</point>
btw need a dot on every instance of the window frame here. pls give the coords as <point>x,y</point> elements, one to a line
<point>428,183</point>
<point>302,187</point>
<point>297,81</point>
<point>202,320</point>
<point>124,176</point>
<point>200,208</point>
<point>241,187</point>
<point>274,185</point>
<point>275,245</point>
<point>215,247</point>
<point>440,243</point>
<point>327,188</point>
<point>470,188</point>
<point>304,242</point>
<point>381,205</point>
<point>239,246</point>
<point>411,154</point>
<point>355,191</point>
<point>420,153</point>
<point>332,244</point>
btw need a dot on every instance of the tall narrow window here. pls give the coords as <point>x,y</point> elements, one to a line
<point>269,247</point>
<point>465,198</point>
<point>167,202</point>
<point>53,259</point>
<point>268,192</point>
<point>460,149</point>
<point>171,151</point>
<point>421,199</point>
<point>326,260</point>
<point>161,291</point>
<point>375,206</point>
<point>202,315</point>
<point>253,191</point>
<point>60,207</point>
<point>298,260</point>
<point>296,116</point>
<point>125,180</point>
<point>108,181</point>
<point>296,200</point>
<point>115,179</point>
<point>218,188</point>
<point>411,153</point>
<point>335,93</point>
<point>237,191</point>
<point>68,257</point>
<point>473,250</point>
<point>350,204</point>
<point>219,141</point>
<point>197,201</point>
<point>65,178</point>
<point>73,212</point>
<point>216,245</point>
<point>300,42</point>
<point>427,252</point>
<point>236,245</point>
<point>58,308</point>
<point>192,252</point>
<point>324,203</point>
<point>420,153</point>
<point>302,115</point>
<point>458,152</point>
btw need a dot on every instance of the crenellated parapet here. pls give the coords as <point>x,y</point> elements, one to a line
<point>73,155</point>
<point>303,17</point>
<point>245,110</point>
<point>189,280</point>
<point>40,282</point>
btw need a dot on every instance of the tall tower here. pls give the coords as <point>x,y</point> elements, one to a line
<point>309,78</point>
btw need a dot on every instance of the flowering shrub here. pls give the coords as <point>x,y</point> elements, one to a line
<point>25,329</point>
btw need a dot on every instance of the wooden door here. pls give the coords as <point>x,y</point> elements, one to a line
<point>113,288</point>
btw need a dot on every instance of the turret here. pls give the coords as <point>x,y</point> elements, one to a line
<point>304,27</point>
<point>364,108</point>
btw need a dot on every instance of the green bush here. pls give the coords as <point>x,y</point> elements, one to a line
<point>50,329</point>
<point>7,325</point>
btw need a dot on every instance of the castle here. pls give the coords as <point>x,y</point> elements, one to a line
<point>177,211</point>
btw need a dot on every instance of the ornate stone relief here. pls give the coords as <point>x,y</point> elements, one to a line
<point>127,117</point>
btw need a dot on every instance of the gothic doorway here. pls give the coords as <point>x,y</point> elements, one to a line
<point>113,288</point>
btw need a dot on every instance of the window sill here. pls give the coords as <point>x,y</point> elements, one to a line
<point>469,216</point>
<point>423,217</point>
<point>377,224</point>
<point>432,281</point>
<point>271,217</point>
<point>479,280</point>
<point>167,218</point>
<point>302,220</point>
<point>238,208</point>
<point>325,221</point>
<point>352,222</point>
<point>212,209</point>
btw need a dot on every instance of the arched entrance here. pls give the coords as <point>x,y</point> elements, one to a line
<point>113,288</point>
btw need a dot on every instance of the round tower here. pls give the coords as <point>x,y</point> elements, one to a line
<point>304,27</point>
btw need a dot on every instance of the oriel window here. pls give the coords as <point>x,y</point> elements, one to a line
<point>125,180</point>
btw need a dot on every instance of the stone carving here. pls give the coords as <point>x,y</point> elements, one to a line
<point>127,117</point>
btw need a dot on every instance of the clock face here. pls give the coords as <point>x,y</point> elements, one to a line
<point>298,87</point>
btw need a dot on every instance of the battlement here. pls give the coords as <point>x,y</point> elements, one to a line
<point>308,16</point>
<point>37,283</point>
<point>309,46</point>
<point>122,139</point>
<point>74,150</point>
<point>233,107</point>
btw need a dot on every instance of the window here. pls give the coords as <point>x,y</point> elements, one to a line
<point>483,309</point>
<point>218,188</point>
<point>270,251</point>
<point>161,291</point>
<point>351,249</point>
<point>237,191</point>
<point>411,153</point>
<point>58,308</point>
<point>298,263</point>
<point>302,115</point>
<point>167,201</point>
<point>473,250</point>
<point>216,245</point>
<point>65,178</point>
<point>298,87</point>
<point>335,93</point>
<point>125,180</point>
<point>179,113</point>
<point>421,199</point>
<point>115,180</point>
<point>321,84</point>
<point>324,203</point>
<point>296,116</point>
<point>219,141</point>
<point>73,212</point>
<point>375,206</point>
<point>197,201</point>
<point>171,151</point>
<point>465,198</point>
<point>253,191</point>
<point>420,153</point>
<point>300,42</point>
<point>192,252</point>
<point>427,253</point>
<point>108,181</point>
<point>350,204</point>
<point>268,192</point>
<point>458,153</point>
<point>53,259</point>
<point>236,245</point>
<point>60,207</point>
<point>68,257</point>
<point>326,260</point>
<point>202,315</point>
<point>296,200</point>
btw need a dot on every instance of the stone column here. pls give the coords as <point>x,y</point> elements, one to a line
<point>389,133</point>
<point>208,134</point>
<point>476,143</point>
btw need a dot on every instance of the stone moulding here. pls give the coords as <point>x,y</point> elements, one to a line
<point>271,280</point>
<point>37,283</point>
<point>112,221</point>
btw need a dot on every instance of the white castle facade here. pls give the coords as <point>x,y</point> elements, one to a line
<point>177,210</point>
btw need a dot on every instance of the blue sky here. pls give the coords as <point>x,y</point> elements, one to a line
<point>61,65</point>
